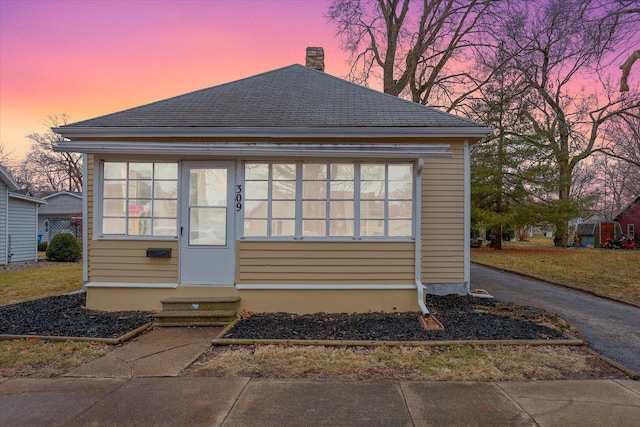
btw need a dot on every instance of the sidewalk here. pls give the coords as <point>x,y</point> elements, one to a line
<point>116,390</point>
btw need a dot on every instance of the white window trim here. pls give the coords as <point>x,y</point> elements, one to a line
<point>356,220</point>
<point>98,200</point>
<point>631,230</point>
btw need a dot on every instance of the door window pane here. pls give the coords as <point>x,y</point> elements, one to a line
<point>207,226</point>
<point>208,187</point>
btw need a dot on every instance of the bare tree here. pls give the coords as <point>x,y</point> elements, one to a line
<point>46,170</point>
<point>554,47</point>
<point>422,49</point>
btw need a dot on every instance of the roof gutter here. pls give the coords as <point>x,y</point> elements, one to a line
<point>257,149</point>
<point>273,132</point>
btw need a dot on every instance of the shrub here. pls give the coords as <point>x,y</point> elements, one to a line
<point>64,247</point>
<point>42,246</point>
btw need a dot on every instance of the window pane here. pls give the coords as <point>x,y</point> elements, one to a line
<point>314,209</point>
<point>372,228</point>
<point>255,227</point>
<point>256,190</point>
<point>255,209</point>
<point>114,226</point>
<point>139,227</point>
<point>208,187</point>
<point>114,207</point>
<point>207,226</point>
<point>140,189</point>
<point>400,172</point>
<point>284,172</point>
<point>342,171</point>
<point>371,209</point>
<point>165,208</point>
<point>314,189</point>
<point>341,209</point>
<point>400,209</point>
<point>284,190</point>
<point>341,190</point>
<point>164,227</point>
<point>258,171</point>
<point>139,208</point>
<point>115,170</point>
<point>166,171</point>
<point>341,228</point>
<point>400,190</point>
<point>115,189</point>
<point>283,209</point>
<point>373,172</point>
<point>372,190</point>
<point>280,227</point>
<point>314,171</point>
<point>140,170</point>
<point>314,228</point>
<point>400,228</point>
<point>165,189</point>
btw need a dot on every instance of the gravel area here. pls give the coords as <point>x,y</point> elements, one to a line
<point>464,318</point>
<point>65,316</point>
<point>15,266</point>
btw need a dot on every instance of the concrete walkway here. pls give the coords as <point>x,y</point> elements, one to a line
<point>137,384</point>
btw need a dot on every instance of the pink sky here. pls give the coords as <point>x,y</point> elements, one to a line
<point>88,58</point>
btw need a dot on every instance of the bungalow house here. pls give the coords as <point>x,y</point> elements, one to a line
<point>629,219</point>
<point>58,215</point>
<point>293,190</point>
<point>18,222</point>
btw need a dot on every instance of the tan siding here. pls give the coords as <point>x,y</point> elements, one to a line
<point>125,261</point>
<point>443,218</point>
<point>325,262</point>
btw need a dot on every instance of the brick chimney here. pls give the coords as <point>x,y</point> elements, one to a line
<point>315,58</point>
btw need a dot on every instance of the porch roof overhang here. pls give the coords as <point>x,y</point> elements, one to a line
<point>261,149</point>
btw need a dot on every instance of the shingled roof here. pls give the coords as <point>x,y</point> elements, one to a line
<point>293,96</point>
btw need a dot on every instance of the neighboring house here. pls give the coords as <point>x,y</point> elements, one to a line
<point>292,189</point>
<point>629,219</point>
<point>57,216</point>
<point>18,222</point>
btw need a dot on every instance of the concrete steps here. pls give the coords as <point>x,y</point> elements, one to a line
<point>219,311</point>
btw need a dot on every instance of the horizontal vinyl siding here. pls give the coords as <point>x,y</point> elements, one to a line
<point>62,204</point>
<point>22,228</point>
<point>125,261</point>
<point>3,222</point>
<point>443,218</point>
<point>325,262</point>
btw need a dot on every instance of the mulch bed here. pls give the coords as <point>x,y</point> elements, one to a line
<point>65,316</point>
<point>464,318</point>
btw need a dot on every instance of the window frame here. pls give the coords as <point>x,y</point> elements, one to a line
<point>99,199</point>
<point>356,201</point>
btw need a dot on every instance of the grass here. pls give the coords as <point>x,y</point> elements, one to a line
<point>613,273</point>
<point>450,363</point>
<point>32,283</point>
<point>36,358</point>
<point>45,359</point>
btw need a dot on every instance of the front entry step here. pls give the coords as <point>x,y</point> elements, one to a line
<point>218,311</point>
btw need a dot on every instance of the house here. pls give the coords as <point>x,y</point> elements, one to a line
<point>18,222</point>
<point>629,219</point>
<point>293,190</point>
<point>57,216</point>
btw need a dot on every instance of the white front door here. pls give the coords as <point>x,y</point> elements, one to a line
<point>207,233</point>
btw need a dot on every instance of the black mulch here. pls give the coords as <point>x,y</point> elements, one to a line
<point>464,318</point>
<point>65,316</point>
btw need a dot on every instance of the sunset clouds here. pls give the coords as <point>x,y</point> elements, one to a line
<point>87,58</point>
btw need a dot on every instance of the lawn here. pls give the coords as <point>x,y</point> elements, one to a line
<point>34,357</point>
<point>613,273</point>
<point>32,283</point>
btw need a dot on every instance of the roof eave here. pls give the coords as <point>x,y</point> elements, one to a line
<point>274,132</point>
<point>26,198</point>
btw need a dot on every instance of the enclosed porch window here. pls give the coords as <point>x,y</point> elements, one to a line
<point>328,200</point>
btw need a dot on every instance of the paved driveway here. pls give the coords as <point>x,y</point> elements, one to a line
<point>612,328</point>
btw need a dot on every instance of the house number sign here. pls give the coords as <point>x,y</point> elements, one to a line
<point>238,198</point>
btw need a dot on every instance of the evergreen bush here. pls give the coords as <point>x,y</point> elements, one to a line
<point>64,247</point>
<point>42,246</point>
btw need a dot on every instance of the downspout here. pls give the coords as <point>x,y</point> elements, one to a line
<point>417,212</point>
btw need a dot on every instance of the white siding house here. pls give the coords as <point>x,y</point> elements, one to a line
<point>18,222</point>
